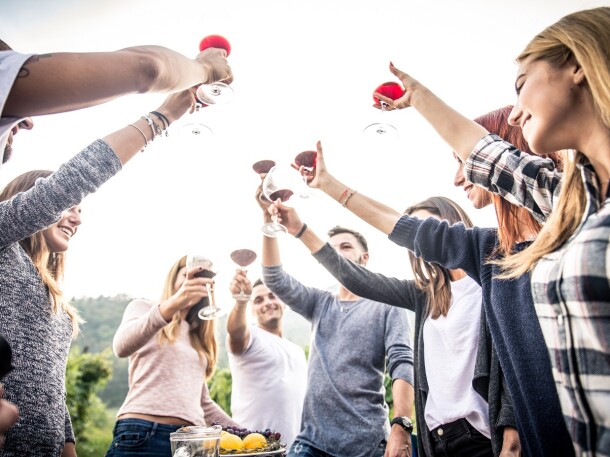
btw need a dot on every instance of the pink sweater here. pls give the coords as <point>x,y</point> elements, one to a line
<point>164,380</point>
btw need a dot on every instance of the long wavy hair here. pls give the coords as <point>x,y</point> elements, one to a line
<point>512,219</point>
<point>202,333</point>
<point>430,277</point>
<point>582,37</point>
<point>50,265</point>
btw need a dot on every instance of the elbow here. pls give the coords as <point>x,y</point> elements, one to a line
<point>149,75</point>
<point>120,350</point>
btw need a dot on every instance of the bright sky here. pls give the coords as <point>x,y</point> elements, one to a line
<point>304,70</point>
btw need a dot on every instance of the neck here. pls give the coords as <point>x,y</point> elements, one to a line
<point>456,275</point>
<point>346,295</point>
<point>275,329</point>
<point>596,147</point>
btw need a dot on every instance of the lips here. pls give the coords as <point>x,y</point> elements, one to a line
<point>67,230</point>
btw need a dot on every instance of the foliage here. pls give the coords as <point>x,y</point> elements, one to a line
<point>220,389</point>
<point>86,374</point>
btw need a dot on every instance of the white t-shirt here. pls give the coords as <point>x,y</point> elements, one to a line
<point>269,383</point>
<point>450,352</point>
<point>10,64</point>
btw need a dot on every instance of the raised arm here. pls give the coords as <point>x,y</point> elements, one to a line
<point>53,83</point>
<point>237,323</point>
<point>460,133</point>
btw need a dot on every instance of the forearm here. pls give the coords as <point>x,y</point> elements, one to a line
<point>54,83</point>
<point>459,132</point>
<point>403,395</point>
<point>371,211</point>
<point>134,332</point>
<point>271,252</point>
<point>237,328</point>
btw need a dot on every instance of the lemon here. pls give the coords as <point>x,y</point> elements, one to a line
<point>230,441</point>
<point>254,441</point>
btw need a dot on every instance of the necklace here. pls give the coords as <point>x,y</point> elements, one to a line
<point>343,305</point>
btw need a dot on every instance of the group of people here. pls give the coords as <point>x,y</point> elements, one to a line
<point>512,324</point>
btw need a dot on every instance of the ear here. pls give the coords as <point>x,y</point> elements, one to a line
<point>578,75</point>
<point>365,257</point>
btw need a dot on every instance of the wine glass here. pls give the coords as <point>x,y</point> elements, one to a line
<point>278,183</point>
<point>217,92</point>
<point>243,258</point>
<point>207,305</point>
<point>391,90</point>
<point>263,166</point>
<point>307,160</point>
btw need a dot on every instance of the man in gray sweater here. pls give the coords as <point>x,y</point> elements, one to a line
<point>344,414</point>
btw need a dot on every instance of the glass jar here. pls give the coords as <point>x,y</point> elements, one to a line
<point>196,441</point>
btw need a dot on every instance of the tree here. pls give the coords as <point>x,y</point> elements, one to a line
<point>220,389</point>
<point>86,374</point>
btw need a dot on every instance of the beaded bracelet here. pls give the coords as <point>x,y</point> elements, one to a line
<point>156,130</point>
<point>349,193</point>
<point>163,119</point>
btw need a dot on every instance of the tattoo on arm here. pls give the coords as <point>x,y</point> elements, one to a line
<point>25,72</point>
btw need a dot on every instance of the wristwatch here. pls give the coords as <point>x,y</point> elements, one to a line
<point>404,422</point>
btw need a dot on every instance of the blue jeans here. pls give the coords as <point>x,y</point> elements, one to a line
<point>460,439</point>
<point>301,449</point>
<point>137,437</point>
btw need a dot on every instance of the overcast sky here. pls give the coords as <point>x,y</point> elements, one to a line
<point>304,70</point>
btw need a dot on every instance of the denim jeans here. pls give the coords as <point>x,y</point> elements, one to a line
<point>301,449</point>
<point>137,437</point>
<point>460,439</point>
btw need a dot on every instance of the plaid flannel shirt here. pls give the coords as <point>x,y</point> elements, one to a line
<point>571,286</point>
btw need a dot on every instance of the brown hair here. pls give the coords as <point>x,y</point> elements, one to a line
<point>361,240</point>
<point>582,37</point>
<point>510,217</point>
<point>50,265</point>
<point>431,277</point>
<point>202,333</point>
<point>4,46</point>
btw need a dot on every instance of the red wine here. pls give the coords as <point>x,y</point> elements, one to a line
<point>205,274</point>
<point>306,159</point>
<point>263,166</point>
<point>215,41</point>
<point>243,257</point>
<point>284,194</point>
<point>389,89</point>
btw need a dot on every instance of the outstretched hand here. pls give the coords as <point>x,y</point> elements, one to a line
<point>175,105</point>
<point>241,285</point>
<point>316,176</point>
<point>217,67</point>
<point>410,85</point>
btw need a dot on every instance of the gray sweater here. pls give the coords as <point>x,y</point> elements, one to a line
<point>40,339</point>
<point>344,413</point>
<point>487,380</point>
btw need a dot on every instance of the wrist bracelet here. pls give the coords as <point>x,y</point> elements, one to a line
<point>300,232</point>
<point>349,193</point>
<point>140,130</point>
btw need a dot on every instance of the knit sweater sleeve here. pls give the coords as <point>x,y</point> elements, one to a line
<point>451,246</point>
<point>69,431</point>
<point>141,321</point>
<point>364,283</point>
<point>398,345</point>
<point>42,205</point>
<point>212,412</point>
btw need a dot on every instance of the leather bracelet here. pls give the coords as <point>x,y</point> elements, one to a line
<point>300,232</point>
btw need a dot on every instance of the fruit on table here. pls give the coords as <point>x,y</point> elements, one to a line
<point>254,441</point>
<point>230,441</point>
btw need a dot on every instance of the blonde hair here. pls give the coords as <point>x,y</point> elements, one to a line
<point>201,333</point>
<point>430,277</point>
<point>50,265</point>
<point>583,37</point>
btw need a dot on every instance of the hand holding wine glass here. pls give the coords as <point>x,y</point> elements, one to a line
<point>206,308</point>
<point>241,288</point>
<point>389,90</point>
<point>287,216</point>
<point>410,85</point>
<point>216,92</point>
<point>278,184</point>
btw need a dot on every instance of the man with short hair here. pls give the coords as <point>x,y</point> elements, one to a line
<point>269,372</point>
<point>345,414</point>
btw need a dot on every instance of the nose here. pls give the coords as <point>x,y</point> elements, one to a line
<point>458,180</point>
<point>74,216</point>
<point>515,116</point>
<point>26,124</point>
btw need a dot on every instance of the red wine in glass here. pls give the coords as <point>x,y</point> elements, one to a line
<point>283,194</point>
<point>217,92</point>
<point>207,309</point>
<point>243,258</point>
<point>263,166</point>
<point>306,159</point>
<point>391,90</point>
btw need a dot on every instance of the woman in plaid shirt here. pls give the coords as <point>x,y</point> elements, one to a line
<point>563,88</point>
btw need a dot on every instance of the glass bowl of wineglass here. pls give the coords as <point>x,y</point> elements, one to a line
<point>243,258</point>
<point>207,309</point>
<point>384,130</point>
<point>280,182</point>
<point>305,162</point>
<point>263,166</point>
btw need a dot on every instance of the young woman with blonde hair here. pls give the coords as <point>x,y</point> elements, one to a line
<point>171,354</point>
<point>563,90</point>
